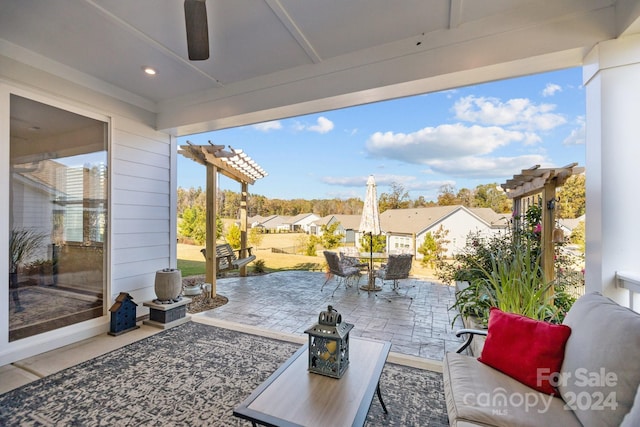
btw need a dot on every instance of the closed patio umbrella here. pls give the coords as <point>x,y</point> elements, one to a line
<point>370,224</point>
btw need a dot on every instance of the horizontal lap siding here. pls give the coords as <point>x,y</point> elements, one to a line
<point>141,209</point>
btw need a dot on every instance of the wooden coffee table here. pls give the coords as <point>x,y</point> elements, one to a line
<point>292,396</point>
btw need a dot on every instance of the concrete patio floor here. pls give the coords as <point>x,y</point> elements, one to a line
<point>417,322</point>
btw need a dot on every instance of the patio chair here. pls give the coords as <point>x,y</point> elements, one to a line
<point>397,268</point>
<point>343,272</point>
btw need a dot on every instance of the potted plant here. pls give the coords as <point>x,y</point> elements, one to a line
<point>503,272</point>
<point>515,284</point>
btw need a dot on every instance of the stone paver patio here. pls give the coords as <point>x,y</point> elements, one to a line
<point>290,302</point>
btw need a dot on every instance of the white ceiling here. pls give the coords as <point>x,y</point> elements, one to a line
<point>276,58</point>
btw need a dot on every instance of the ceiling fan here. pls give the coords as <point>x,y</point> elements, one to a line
<point>195,15</point>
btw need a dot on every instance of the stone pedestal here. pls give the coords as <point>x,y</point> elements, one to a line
<point>167,316</point>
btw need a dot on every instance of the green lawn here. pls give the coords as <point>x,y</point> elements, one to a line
<point>191,268</point>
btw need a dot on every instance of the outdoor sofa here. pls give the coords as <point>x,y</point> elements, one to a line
<point>597,384</point>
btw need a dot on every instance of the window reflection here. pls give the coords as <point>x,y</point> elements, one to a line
<point>57,216</point>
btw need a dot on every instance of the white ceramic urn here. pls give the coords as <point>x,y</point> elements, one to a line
<point>168,284</point>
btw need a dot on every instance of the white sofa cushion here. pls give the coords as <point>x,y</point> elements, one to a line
<point>632,419</point>
<point>477,394</point>
<point>600,372</point>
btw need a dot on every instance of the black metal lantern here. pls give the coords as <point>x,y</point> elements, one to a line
<point>329,344</point>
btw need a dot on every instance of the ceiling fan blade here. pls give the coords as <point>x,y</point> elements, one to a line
<point>195,15</point>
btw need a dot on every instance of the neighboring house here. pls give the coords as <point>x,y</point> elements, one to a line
<point>567,225</point>
<point>302,222</point>
<point>276,224</point>
<point>348,226</point>
<point>316,226</point>
<point>258,220</point>
<point>406,228</point>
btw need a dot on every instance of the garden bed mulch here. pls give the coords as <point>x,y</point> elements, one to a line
<point>200,303</point>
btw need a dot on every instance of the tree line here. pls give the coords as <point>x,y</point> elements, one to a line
<point>572,201</point>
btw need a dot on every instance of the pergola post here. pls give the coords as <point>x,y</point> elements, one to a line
<point>548,224</point>
<point>243,225</point>
<point>517,211</point>
<point>211,228</point>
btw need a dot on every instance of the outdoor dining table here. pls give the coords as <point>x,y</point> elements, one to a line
<point>378,256</point>
<point>371,283</point>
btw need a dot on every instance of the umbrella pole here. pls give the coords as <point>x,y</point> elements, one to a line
<point>371,277</point>
<point>371,285</point>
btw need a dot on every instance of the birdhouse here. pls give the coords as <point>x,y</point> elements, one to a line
<point>123,314</point>
<point>329,344</point>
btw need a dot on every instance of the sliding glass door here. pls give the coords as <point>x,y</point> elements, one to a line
<point>57,217</point>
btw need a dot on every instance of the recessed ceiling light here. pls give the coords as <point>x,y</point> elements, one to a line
<point>150,71</point>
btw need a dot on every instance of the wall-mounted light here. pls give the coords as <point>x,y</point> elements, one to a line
<point>551,204</point>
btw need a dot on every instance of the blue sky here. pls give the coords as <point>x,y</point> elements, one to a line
<point>464,137</point>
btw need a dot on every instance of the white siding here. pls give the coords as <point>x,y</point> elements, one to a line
<point>305,223</point>
<point>460,224</point>
<point>397,244</point>
<point>141,217</point>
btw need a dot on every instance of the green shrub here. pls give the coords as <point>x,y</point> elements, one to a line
<point>310,245</point>
<point>258,266</point>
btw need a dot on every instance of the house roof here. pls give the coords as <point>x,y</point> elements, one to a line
<point>296,218</point>
<point>275,221</point>
<point>491,217</point>
<point>260,220</point>
<point>328,55</point>
<point>324,220</point>
<point>416,220</point>
<point>349,222</point>
<point>413,220</point>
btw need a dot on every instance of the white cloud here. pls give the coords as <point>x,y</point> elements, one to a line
<point>408,182</point>
<point>517,113</point>
<point>323,125</point>
<point>485,167</point>
<point>551,89</point>
<point>531,138</point>
<point>442,142</point>
<point>578,135</point>
<point>268,126</point>
<point>361,181</point>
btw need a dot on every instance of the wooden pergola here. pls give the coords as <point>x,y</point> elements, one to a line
<point>537,181</point>
<point>238,166</point>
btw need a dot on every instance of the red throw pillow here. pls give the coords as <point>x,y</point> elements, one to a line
<point>527,350</point>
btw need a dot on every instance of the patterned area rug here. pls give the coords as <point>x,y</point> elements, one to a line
<point>194,375</point>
